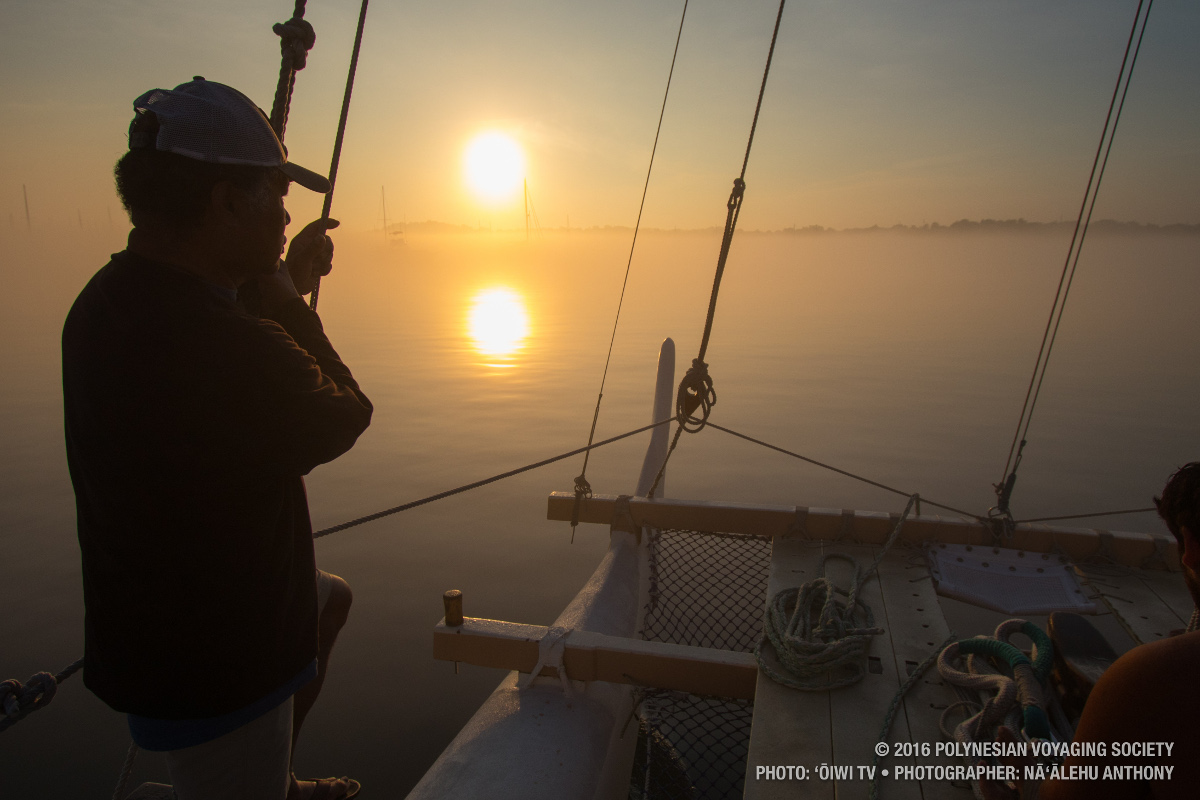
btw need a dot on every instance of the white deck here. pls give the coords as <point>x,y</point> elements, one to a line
<point>842,726</point>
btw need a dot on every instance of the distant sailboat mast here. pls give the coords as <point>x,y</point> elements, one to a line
<point>383,203</point>
<point>530,212</point>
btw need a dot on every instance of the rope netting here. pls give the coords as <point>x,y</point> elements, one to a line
<point>690,748</point>
<point>706,590</point>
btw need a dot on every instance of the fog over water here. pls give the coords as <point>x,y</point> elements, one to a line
<point>900,355</point>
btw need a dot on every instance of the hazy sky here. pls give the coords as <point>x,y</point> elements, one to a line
<point>877,112</point>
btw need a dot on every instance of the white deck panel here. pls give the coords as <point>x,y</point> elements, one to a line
<point>857,711</point>
<point>917,627</point>
<point>790,728</point>
<point>842,726</point>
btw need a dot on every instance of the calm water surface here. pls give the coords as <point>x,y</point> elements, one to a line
<point>900,356</point>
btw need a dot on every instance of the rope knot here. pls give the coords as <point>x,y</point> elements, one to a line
<point>583,491</point>
<point>296,38</point>
<point>19,701</point>
<point>735,197</point>
<point>695,391</point>
<point>551,648</point>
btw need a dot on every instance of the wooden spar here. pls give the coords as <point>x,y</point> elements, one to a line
<point>590,656</point>
<point>870,527</point>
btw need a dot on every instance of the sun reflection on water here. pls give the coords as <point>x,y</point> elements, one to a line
<point>498,325</point>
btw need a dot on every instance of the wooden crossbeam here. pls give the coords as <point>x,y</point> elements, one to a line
<point>869,527</point>
<point>592,656</point>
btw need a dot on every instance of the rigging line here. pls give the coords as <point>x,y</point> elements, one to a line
<point>1085,516</point>
<point>341,133</point>
<point>739,188</point>
<point>696,389</point>
<point>296,37</point>
<point>637,226</point>
<point>467,487</point>
<point>1075,236</point>
<point>814,462</point>
<point>1091,207</point>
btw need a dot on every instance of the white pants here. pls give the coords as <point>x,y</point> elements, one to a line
<point>250,763</point>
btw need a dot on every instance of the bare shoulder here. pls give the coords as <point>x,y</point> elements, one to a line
<point>1148,684</point>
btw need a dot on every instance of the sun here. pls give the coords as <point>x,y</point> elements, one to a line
<point>494,166</point>
<point>497,321</point>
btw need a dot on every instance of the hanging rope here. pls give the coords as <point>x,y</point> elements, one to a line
<point>296,38</point>
<point>890,716</point>
<point>19,700</point>
<point>820,641</point>
<point>1008,479</point>
<point>126,771</point>
<point>696,390</point>
<point>583,489</point>
<point>341,133</point>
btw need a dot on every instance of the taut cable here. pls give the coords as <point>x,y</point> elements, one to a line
<point>583,489</point>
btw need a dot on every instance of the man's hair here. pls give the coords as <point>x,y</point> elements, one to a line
<point>167,189</point>
<point>1179,505</point>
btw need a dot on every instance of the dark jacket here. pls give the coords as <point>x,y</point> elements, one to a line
<point>189,424</point>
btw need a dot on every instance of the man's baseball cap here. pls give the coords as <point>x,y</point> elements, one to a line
<point>210,121</point>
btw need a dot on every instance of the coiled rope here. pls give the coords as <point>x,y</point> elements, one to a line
<point>821,641</point>
<point>583,489</point>
<point>1008,479</point>
<point>19,700</point>
<point>696,392</point>
<point>1025,689</point>
<point>1018,699</point>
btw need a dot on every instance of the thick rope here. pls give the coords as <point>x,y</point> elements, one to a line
<point>296,38</point>
<point>890,716</point>
<point>1018,698</point>
<point>1004,488</point>
<point>820,641</point>
<point>19,700</point>
<point>467,487</point>
<point>341,133</point>
<point>583,489</point>
<point>126,771</point>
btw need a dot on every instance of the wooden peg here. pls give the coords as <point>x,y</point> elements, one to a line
<point>454,609</point>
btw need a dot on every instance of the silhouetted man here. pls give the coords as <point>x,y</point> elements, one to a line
<point>189,425</point>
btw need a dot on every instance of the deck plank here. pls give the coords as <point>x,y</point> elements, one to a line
<point>1141,611</point>
<point>790,728</point>
<point>858,711</point>
<point>917,627</point>
<point>1170,588</point>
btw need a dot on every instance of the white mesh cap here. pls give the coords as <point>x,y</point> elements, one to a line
<point>210,121</point>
